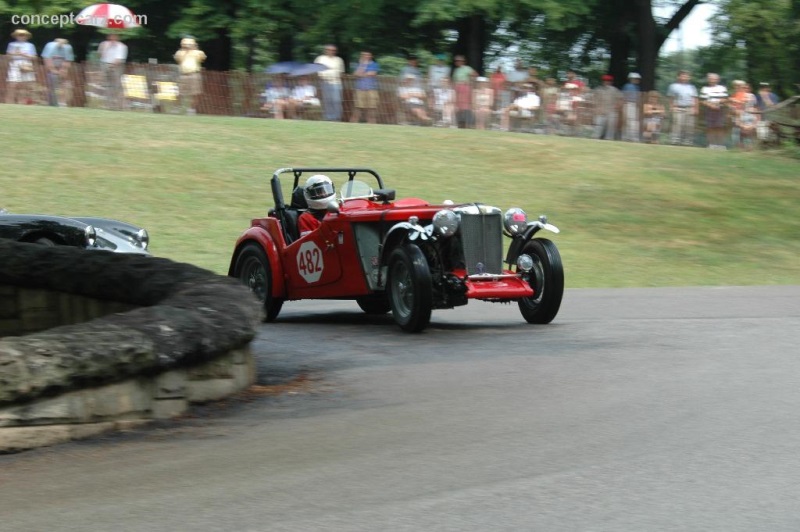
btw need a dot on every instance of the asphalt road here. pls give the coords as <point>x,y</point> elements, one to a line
<point>636,410</point>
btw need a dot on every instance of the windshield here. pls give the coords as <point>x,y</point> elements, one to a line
<point>355,189</point>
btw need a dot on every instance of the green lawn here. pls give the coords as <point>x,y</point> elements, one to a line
<point>630,214</point>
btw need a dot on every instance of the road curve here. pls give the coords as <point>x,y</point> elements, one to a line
<point>637,409</point>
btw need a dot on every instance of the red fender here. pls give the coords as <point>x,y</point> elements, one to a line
<point>261,235</point>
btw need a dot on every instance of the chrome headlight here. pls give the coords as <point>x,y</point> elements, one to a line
<point>515,221</point>
<point>143,238</point>
<point>446,222</point>
<point>525,262</point>
<point>91,235</point>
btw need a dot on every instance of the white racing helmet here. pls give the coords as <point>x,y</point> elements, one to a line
<point>319,191</point>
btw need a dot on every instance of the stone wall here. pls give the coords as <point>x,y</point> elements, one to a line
<point>130,338</point>
<point>29,310</point>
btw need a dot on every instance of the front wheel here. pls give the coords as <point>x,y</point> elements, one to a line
<point>410,288</point>
<point>547,280</point>
<point>253,270</point>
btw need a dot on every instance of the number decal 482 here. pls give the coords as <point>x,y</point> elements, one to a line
<point>310,262</point>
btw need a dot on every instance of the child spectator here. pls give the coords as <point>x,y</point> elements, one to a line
<point>444,100</point>
<point>482,101</point>
<point>303,98</point>
<point>276,98</point>
<point>653,112</point>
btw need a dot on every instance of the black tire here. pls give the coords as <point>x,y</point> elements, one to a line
<point>253,270</point>
<point>546,279</point>
<point>410,288</point>
<point>44,242</point>
<point>374,304</point>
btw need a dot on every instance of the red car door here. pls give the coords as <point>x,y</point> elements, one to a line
<point>312,263</point>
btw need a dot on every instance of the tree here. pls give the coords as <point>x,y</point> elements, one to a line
<point>767,34</point>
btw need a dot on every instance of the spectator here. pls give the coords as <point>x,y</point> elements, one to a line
<point>437,72</point>
<point>58,58</point>
<point>653,112</point>
<point>113,55</point>
<point>21,68</point>
<point>276,98</point>
<point>573,78</point>
<point>482,102</point>
<point>684,106</point>
<point>444,100</point>
<point>462,79</point>
<point>519,74</point>
<point>631,95</point>
<point>524,106</point>
<point>714,98</point>
<point>766,99</point>
<point>549,96</point>
<point>366,88</point>
<point>743,104</point>
<point>607,103</point>
<point>331,83</point>
<point>412,98</point>
<point>303,98</point>
<point>746,120</point>
<point>411,69</point>
<point>498,84</point>
<point>189,59</point>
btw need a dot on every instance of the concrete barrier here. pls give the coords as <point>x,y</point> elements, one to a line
<point>93,341</point>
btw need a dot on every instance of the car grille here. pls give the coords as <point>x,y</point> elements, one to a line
<point>482,237</point>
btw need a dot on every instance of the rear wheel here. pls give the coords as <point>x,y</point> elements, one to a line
<point>546,279</point>
<point>410,288</point>
<point>253,270</point>
<point>374,304</point>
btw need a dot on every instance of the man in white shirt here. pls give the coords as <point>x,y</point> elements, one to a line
<point>683,98</point>
<point>525,106</point>
<point>714,99</point>
<point>113,55</point>
<point>331,82</point>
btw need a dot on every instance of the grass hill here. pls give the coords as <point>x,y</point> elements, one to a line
<point>630,214</point>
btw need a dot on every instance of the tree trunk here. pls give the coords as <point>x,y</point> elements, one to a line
<point>647,49</point>
<point>472,38</point>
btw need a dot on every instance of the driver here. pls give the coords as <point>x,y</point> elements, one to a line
<point>318,191</point>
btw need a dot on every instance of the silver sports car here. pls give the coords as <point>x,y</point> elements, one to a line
<point>83,232</point>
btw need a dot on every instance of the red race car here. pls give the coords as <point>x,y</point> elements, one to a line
<point>406,256</point>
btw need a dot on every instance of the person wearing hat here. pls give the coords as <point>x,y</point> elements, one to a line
<point>21,68</point>
<point>190,59</point>
<point>607,104</point>
<point>764,100</point>
<point>58,57</point>
<point>631,93</point>
<point>113,55</point>
<point>482,101</point>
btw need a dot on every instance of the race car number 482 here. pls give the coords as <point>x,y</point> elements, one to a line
<point>309,262</point>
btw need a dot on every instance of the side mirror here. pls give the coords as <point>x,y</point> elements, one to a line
<point>333,206</point>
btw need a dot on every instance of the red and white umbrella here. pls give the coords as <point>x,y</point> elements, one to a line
<point>108,16</point>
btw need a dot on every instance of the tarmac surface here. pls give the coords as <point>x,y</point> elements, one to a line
<point>635,410</point>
